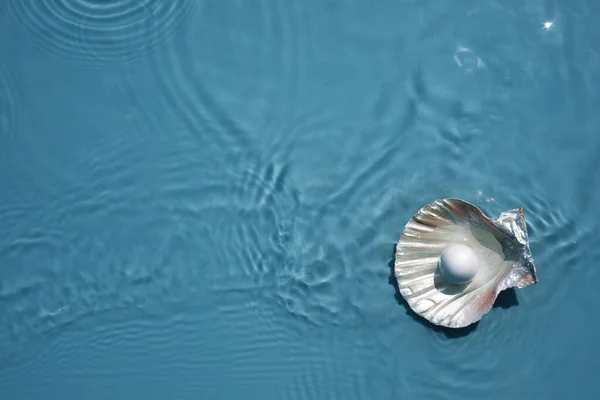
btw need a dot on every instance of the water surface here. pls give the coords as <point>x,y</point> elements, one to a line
<point>200,199</point>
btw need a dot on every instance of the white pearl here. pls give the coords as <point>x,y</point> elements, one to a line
<point>458,264</point>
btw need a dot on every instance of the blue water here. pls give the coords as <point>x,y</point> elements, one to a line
<point>200,199</point>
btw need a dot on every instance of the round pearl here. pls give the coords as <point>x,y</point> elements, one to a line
<point>458,264</point>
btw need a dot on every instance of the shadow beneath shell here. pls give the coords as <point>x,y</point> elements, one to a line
<point>506,299</point>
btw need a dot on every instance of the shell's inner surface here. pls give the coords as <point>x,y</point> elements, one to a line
<point>500,247</point>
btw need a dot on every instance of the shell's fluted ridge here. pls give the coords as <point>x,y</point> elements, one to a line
<point>501,246</point>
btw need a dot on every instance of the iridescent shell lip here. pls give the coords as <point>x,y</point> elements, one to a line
<point>503,244</point>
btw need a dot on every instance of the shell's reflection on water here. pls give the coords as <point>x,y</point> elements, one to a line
<point>202,199</point>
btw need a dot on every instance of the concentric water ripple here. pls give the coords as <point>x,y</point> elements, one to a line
<point>94,33</point>
<point>103,245</point>
<point>253,202</point>
<point>244,95</point>
<point>268,353</point>
<point>141,231</point>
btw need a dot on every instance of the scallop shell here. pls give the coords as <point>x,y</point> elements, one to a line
<point>501,246</point>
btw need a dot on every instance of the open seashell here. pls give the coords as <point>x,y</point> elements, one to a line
<point>452,261</point>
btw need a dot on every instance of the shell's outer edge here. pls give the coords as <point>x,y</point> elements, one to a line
<point>524,272</point>
<point>446,211</point>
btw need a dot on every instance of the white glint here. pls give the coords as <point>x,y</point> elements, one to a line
<point>465,58</point>
<point>46,313</point>
<point>548,24</point>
